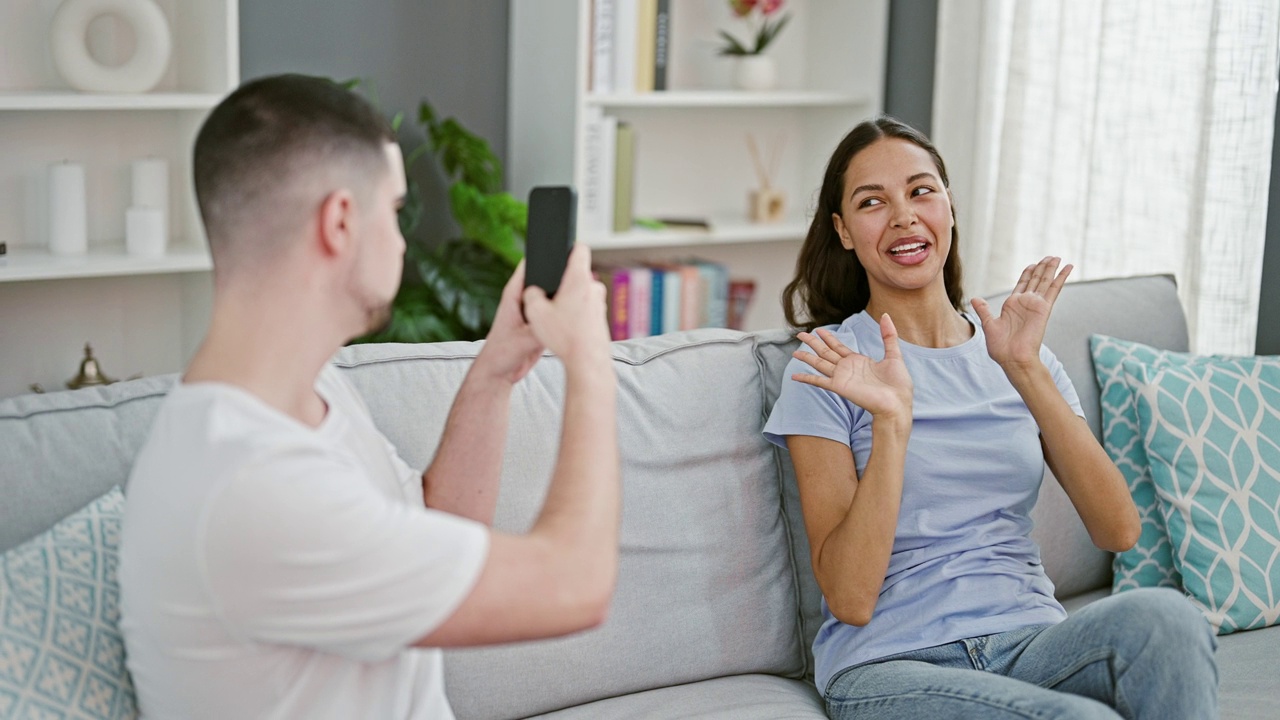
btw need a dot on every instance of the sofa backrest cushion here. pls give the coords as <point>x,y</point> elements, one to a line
<point>61,450</point>
<point>1143,308</point>
<point>705,587</point>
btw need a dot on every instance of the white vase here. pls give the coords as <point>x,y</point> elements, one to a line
<point>755,72</point>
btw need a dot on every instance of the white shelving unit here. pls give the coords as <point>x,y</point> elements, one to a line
<point>692,157</point>
<point>26,264</point>
<point>142,315</point>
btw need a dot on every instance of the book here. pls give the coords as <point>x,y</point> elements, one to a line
<point>625,30</point>
<point>617,282</point>
<point>599,141</point>
<point>667,300</point>
<point>661,44</point>
<point>682,223</point>
<point>602,16</point>
<point>623,177</point>
<point>639,313</point>
<point>713,307</point>
<point>646,44</point>
<point>740,294</point>
<point>657,299</point>
<point>691,297</point>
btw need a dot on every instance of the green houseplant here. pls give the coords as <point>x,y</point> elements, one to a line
<point>450,289</point>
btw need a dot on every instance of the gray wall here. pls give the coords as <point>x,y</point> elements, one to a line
<point>450,52</point>
<point>1269,309</point>
<point>908,86</point>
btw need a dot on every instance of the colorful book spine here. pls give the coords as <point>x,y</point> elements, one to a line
<point>657,301</point>
<point>620,304</point>
<point>671,281</point>
<point>639,312</point>
<point>740,294</point>
<point>691,295</point>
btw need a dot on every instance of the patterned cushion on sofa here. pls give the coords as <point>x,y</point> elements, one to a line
<point>1212,433</point>
<point>1149,563</point>
<point>61,654</point>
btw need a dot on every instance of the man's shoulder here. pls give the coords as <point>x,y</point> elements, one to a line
<point>206,432</point>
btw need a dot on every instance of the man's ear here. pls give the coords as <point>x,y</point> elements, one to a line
<point>842,231</point>
<point>337,213</point>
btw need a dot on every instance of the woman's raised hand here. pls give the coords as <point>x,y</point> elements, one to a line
<point>882,388</point>
<point>1013,339</point>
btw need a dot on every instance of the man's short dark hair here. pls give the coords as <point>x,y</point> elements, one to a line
<point>263,135</point>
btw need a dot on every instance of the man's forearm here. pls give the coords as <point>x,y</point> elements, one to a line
<point>463,478</point>
<point>582,504</point>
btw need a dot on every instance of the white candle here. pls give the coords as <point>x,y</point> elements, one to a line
<point>151,188</point>
<point>144,234</point>
<point>68,225</point>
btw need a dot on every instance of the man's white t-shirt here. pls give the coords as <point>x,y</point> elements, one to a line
<point>273,570</point>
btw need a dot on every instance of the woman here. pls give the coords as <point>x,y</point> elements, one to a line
<point>919,435</point>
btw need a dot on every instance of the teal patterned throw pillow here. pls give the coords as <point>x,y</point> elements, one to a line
<point>1212,434</point>
<point>1149,563</point>
<point>61,654</point>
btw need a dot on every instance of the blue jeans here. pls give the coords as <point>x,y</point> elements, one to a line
<point>1140,654</point>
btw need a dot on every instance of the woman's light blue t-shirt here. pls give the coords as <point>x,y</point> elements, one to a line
<point>963,563</point>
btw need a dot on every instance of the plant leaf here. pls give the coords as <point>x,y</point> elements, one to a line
<point>734,47</point>
<point>770,31</point>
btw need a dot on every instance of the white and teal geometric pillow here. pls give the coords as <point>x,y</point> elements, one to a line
<point>1212,434</point>
<point>61,654</point>
<point>1149,563</point>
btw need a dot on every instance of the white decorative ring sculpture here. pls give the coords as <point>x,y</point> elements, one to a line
<point>139,73</point>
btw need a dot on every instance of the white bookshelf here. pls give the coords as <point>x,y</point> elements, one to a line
<point>28,263</point>
<point>692,157</point>
<point>726,99</point>
<point>142,315</point>
<point>54,100</point>
<point>722,232</point>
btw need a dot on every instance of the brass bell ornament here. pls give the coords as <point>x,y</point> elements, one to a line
<point>90,374</point>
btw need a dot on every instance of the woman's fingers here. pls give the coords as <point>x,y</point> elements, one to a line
<point>817,362</point>
<point>983,310</point>
<point>1056,286</point>
<point>1024,279</point>
<point>889,334</point>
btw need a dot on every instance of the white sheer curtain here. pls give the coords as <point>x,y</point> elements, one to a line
<point>1127,136</point>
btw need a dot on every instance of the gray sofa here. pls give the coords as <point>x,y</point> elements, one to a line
<point>715,605</point>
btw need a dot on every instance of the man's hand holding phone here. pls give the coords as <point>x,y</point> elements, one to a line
<point>572,324</point>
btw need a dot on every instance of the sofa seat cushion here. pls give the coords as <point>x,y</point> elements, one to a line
<point>741,697</point>
<point>1248,684</point>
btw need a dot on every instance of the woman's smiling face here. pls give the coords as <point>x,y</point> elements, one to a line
<point>895,214</point>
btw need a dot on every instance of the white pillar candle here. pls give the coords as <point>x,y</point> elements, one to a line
<point>151,188</point>
<point>68,225</point>
<point>144,234</point>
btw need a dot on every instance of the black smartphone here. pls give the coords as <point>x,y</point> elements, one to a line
<point>552,225</point>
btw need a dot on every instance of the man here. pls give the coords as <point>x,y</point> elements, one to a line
<point>278,558</point>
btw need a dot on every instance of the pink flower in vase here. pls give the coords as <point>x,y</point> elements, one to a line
<point>762,30</point>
